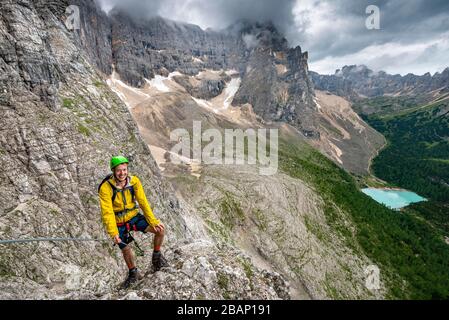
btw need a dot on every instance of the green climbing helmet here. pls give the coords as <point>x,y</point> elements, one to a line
<point>115,161</point>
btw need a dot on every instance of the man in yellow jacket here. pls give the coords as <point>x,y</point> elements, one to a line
<point>118,194</point>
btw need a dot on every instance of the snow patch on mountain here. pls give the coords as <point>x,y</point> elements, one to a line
<point>160,82</point>
<point>129,95</point>
<point>230,91</point>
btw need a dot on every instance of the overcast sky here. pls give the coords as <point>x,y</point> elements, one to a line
<point>413,35</point>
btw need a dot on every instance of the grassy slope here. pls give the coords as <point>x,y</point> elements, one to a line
<point>386,105</point>
<point>404,246</point>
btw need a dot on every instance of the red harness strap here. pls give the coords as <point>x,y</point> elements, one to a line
<point>128,227</point>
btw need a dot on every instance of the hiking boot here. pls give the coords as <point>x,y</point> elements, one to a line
<point>158,261</point>
<point>132,278</point>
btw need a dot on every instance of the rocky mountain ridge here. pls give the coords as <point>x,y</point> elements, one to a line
<point>359,81</point>
<point>274,78</point>
<point>140,49</point>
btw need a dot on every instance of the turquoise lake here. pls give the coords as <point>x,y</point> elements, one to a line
<point>395,199</point>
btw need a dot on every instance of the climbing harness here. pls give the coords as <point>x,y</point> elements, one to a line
<point>129,238</point>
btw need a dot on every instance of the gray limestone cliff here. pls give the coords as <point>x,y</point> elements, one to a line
<point>275,77</point>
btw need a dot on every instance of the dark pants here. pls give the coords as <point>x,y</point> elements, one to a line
<point>138,223</point>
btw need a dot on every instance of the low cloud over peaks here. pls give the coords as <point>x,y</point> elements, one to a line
<point>216,14</point>
<point>413,35</point>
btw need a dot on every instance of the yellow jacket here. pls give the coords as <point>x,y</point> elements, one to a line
<point>108,209</point>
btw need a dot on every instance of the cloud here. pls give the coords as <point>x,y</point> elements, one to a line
<point>395,58</point>
<point>215,14</point>
<point>250,41</point>
<point>333,31</point>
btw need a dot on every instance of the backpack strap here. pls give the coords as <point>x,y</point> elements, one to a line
<point>114,191</point>
<point>133,194</point>
<point>104,180</point>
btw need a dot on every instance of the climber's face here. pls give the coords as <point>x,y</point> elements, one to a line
<point>121,172</point>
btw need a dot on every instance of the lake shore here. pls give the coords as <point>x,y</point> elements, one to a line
<point>394,198</point>
<point>391,189</point>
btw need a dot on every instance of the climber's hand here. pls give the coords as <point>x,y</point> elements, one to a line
<point>117,239</point>
<point>159,228</point>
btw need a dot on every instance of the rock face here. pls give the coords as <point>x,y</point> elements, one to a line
<point>276,82</point>
<point>284,230</point>
<point>200,270</point>
<point>345,137</point>
<point>95,34</point>
<point>142,48</point>
<point>203,270</point>
<point>60,125</point>
<point>275,78</point>
<point>204,88</point>
<point>354,81</point>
